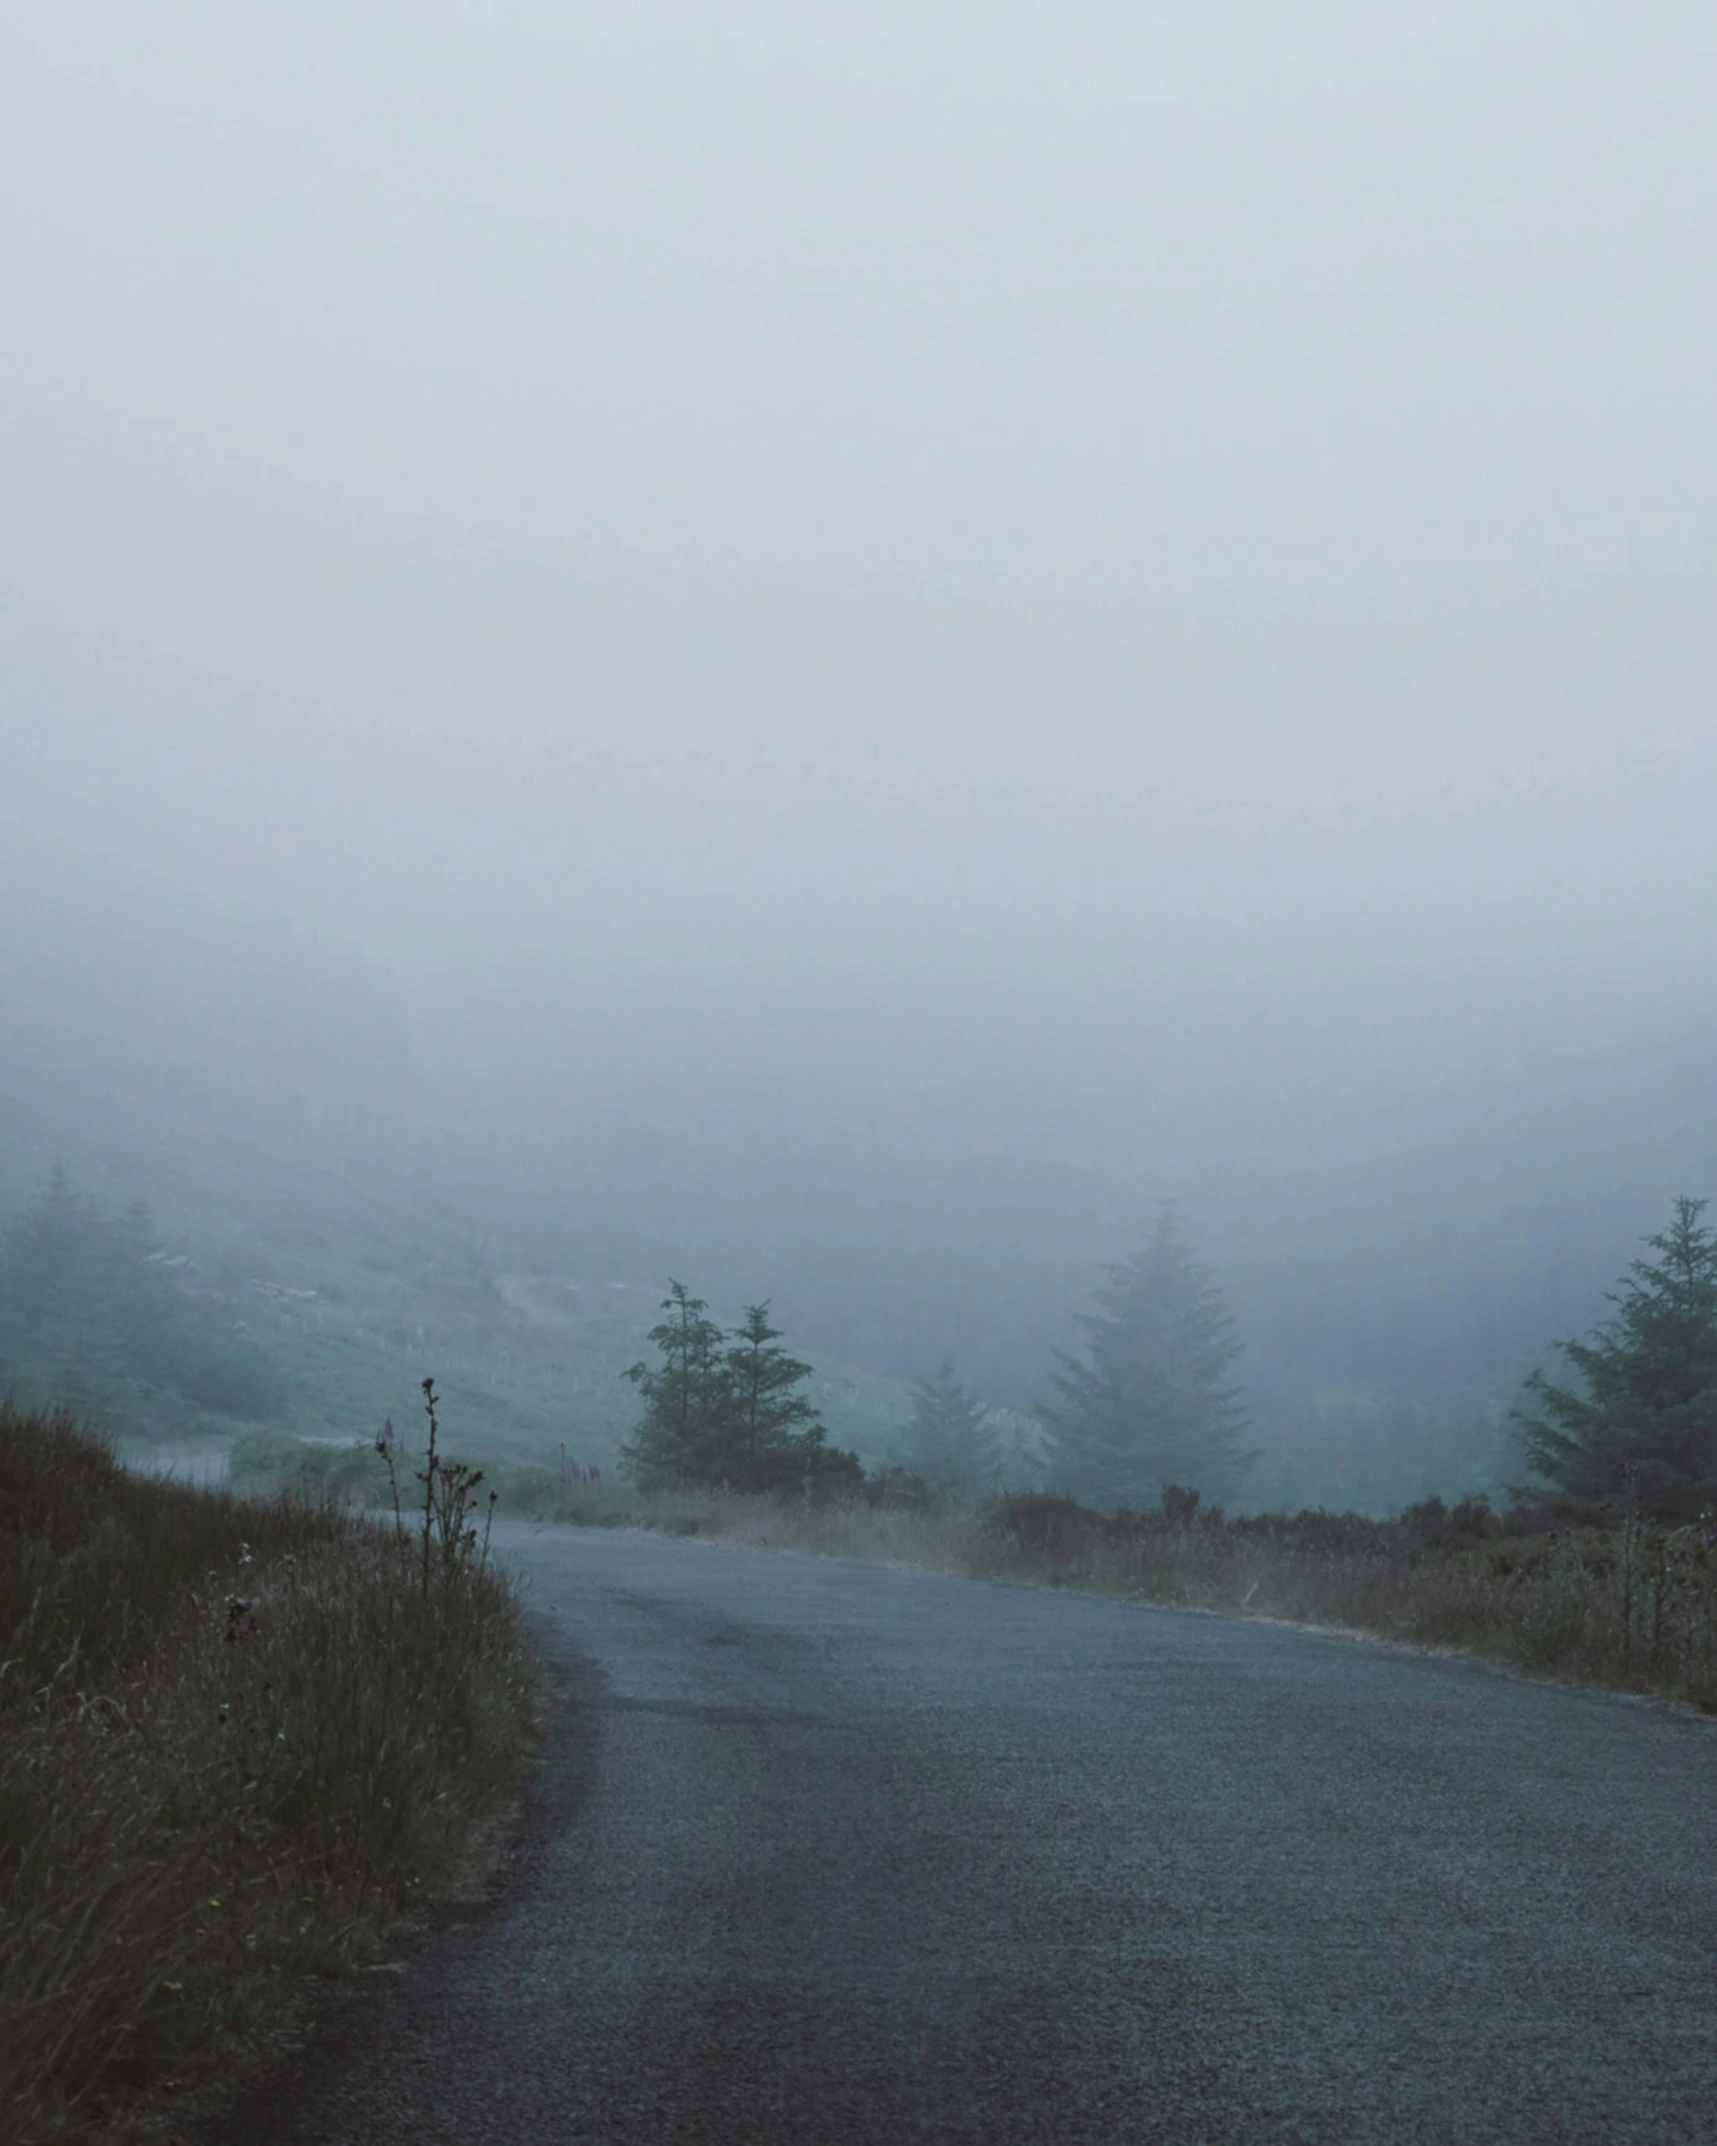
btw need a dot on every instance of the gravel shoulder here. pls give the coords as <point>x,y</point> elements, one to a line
<point>819,1851</point>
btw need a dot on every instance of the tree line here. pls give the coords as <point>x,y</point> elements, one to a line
<point>1148,1407</point>
<point>1147,1403</point>
<point>91,1314</point>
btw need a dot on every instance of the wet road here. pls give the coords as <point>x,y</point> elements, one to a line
<point>824,1852</point>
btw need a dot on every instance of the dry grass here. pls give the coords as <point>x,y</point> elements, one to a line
<point>235,1738</point>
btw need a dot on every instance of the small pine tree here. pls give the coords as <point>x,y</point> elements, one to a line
<point>1150,1404</point>
<point>732,1416</point>
<point>771,1425</point>
<point>681,1431</point>
<point>1643,1418</point>
<point>951,1441</point>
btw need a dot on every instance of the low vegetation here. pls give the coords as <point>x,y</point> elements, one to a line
<point>237,1737</point>
<point>1609,1576</point>
<point>238,1734</point>
<point>1556,1590</point>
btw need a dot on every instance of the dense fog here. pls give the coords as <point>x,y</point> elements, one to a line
<point>831,656</point>
<point>1408,1184</point>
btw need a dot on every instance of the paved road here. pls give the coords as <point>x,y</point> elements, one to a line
<point>823,1852</point>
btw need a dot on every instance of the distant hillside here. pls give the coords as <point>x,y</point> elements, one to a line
<point>320,1322</point>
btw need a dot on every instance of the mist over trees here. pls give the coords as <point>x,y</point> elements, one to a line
<point>749,806</point>
<point>1148,1403</point>
<point>90,1315</point>
<point>1404,1192</point>
<point>951,1440</point>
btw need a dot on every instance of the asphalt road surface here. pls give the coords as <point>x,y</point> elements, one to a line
<point>824,1852</point>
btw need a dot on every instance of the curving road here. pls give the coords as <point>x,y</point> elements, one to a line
<point>825,1852</point>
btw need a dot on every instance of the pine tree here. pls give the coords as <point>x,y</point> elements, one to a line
<point>1149,1405</point>
<point>950,1441</point>
<point>772,1426</point>
<point>681,1432</point>
<point>1643,1418</point>
<point>732,1416</point>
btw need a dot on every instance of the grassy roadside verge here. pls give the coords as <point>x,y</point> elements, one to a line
<point>1558,1593</point>
<point>236,1739</point>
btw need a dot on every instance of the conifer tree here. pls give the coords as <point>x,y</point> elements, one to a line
<point>728,1416</point>
<point>770,1420</point>
<point>680,1434</point>
<point>1642,1420</point>
<point>1149,1404</point>
<point>950,1441</point>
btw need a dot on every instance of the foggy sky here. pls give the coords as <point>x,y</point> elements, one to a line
<point>1082,491</point>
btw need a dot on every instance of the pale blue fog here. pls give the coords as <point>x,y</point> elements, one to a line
<point>829,651</point>
<point>858,1072</point>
